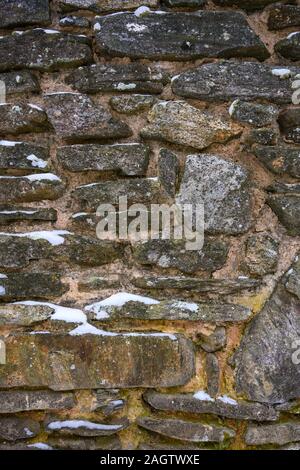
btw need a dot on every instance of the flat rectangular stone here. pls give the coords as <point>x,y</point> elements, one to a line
<point>114,361</point>
<point>18,213</point>
<point>24,12</point>
<point>22,81</point>
<point>280,434</point>
<point>24,315</point>
<point>43,50</point>
<point>100,6</point>
<point>23,156</point>
<point>21,400</point>
<point>133,78</point>
<point>13,429</point>
<point>178,36</point>
<point>129,159</point>
<point>246,4</point>
<point>17,286</point>
<point>30,188</point>
<point>22,118</point>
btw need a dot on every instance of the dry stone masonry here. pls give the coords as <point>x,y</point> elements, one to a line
<point>143,344</point>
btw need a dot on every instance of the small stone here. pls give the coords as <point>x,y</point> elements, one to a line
<point>30,188</point>
<point>178,36</point>
<point>21,81</point>
<point>21,400</point>
<point>254,114</point>
<point>22,118</point>
<point>289,122</point>
<point>17,213</point>
<point>128,159</point>
<point>43,50</point>
<point>223,188</point>
<point>17,286</point>
<point>212,374</point>
<point>289,47</point>
<point>186,431</point>
<point>133,78</point>
<point>108,402</point>
<point>263,136</point>
<point>13,429</point>
<point>74,21</point>
<point>262,254</point>
<point>179,123</point>
<point>24,315</point>
<point>85,428</point>
<point>229,80</point>
<point>168,168</point>
<point>283,16</point>
<point>173,254</point>
<point>131,104</point>
<point>97,282</point>
<point>75,116</point>
<point>101,6</point>
<point>25,12</point>
<point>222,406</point>
<point>214,342</point>
<point>23,156</point>
<point>279,434</point>
<point>281,160</point>
<point>287,209</point>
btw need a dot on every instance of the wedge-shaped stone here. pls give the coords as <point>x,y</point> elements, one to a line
<point>224,81</point>
<point>76,117</point>
<point>21,81</point>
<point>113,360</point>
<point>30,188</point>
<point>223,188</point>
<point>22,118</point>
<point>266,364</point>
<point>179,36</point>
<point>100,6</point>
<point>17,286</point>
<point>21,400</point>
<point>280,160</point>
<point>13,429</point>
<point>43,50</point>
<point>283,16</point>
<point>23,156</point>
<point>272,434</point>
<point>178,122</point>
<point>16,12</point>
<point>85,428</point>
<point>289,47</point>
<point>185,430</point>
<point>133,78</point>
<point>289,122</point>
<point>173,254</point>
<point>287,209</point>
<point>16,213</point>
<point>24,315</point>
<point>129,159</point>
<point>222,406</point>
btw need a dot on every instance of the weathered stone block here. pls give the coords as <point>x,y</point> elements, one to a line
<point>280,160</point>
<point>69,443</point>
<point>13,429</point>
<point>289,122</point>
<point>185,3</point>
<point>262,254</point>
<point>178,122</point>
<point>22,118</point>
<point>24,315</point>
<point>173,36</point>
<point>287,209</point>
<point>283,16</point>
<point>23,156</point>
<point>19,286</point>
<point>252,113</point>
<point>213,342</point>
<point>21,400</point>
<point>74,21</point>
<point>168,170</point>
<point>131,104</point>
<point>272,434</point>
<point>289,47</point>
<point>30,188</point>
<point>21,81</point>
<point>100,6</point>
<point>16,12</point>
<point>15,213</point>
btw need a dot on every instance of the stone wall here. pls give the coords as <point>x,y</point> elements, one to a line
<point>109,344</point>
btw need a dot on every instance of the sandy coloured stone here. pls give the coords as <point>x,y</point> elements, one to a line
<point>23,156</point>
<point>24,315</point>
<point>22,118</point>
<point>262,254</point>
<point>24,12</point>
<point>21,400</point>
<point>131,104</point>
<point>179,123</point>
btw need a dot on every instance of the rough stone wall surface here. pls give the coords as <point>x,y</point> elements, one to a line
<point>111,344</point>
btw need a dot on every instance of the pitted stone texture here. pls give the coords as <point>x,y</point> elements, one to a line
<point>212,371</point>
<point>281,160</point>
<point>262,136</point>
<point>289,122</point>
<point>283,16</point>
<point>289,47</point>
<point>168,169</point>
<point>186,431</point>
<point>257,115</point>
<point>39,285</point>
<point>128,159</point>
<point>174,36</point>
<point>76,117</point>
<point>232,409</point>
<point>184,3</point>
<point>246,4</point>
<point>179,123</point>
<point>24,12</point>
<point>76,21</point>
<point>272,434</point>
<point>100,443</point>
<point>284,188</point>
<point>23,156</point>
<point>21,400</point>
<point>262,254</point>
<point>100,6</point>
<point>30,188</point>
<point>131,104</point>
<point>24,315</point>
<point>18,213</point>
<point>42,50</point>
<point>108,402</point>
<point>13,429</point>
<point>287,209</point>
<point>114,361</point>
<point>173,254</point>
<point>132,78</point>
<point>229,80</point>
<point>223,188</point>
<point>265,370</point>
<point>22,118</point>
<point>21,81</point>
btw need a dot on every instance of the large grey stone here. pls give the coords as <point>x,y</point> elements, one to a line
<point>179,123</point>
<point>266,370</point>
<point>43,50</point>
<point>179,36</point>
<point>22,118</point>
<point>280,160</point>
<point>21,400</point>
<point>30,188</point>
<point>223,188</point>
<point>24,12</point>
<point>76,117</point>
<point>23,156</point>
<point>100,6</point>
<point>228,80</point>
<point>289,47</point>
<point>16,286</point>
<point>272,434</point>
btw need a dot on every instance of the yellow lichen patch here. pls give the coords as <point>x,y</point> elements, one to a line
<point>255,302</point>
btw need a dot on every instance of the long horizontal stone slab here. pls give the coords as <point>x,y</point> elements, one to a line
<point>114,360</point>
<point>129,159</point>
<point>229,80</point>
<point>21,400</point>
<point>279,434</point>
<point>21,81</point>
<point>23,156</point>
<point>43,50</point>
<point>100,6</point>
<point>133,78</point>
<point>35,187</point>
<point>24,315</point>
<point>246,4</point>
<point>17,286</point>
<point>173,36</point>
<point>18,213</point>
<point>201,403</point>
<point>22,118</point>
<point>16,12</point>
